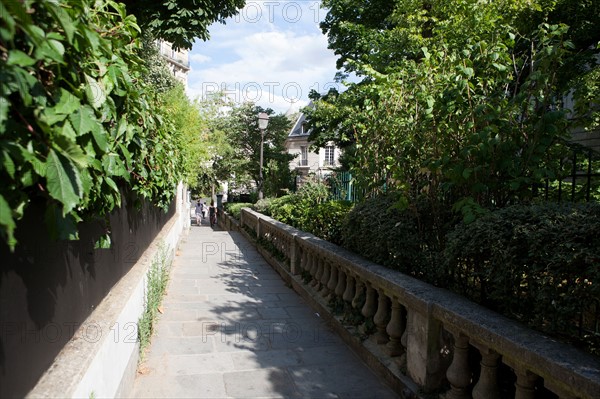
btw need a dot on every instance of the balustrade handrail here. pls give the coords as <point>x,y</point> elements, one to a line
<point>565,370</point>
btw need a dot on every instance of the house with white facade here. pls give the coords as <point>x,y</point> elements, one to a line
<point>177,60</point>
<point>306,162</point>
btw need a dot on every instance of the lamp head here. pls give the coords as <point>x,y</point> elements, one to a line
<point>263,120</point>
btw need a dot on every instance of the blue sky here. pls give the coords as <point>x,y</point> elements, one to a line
<point>273,53</point>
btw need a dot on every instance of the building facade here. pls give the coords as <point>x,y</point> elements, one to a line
<point>177,60</point>
<point>306,162</point>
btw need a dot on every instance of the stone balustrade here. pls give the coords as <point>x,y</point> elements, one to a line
<point>442,342</point>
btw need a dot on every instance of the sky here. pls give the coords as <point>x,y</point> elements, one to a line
<point>272,53</point>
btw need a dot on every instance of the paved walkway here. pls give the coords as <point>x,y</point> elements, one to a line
<point>231,328</point>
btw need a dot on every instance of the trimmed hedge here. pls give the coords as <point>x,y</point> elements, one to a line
<point>235,208</point>
<point>287,209</point>
<point>326,220</point>
<point>538,264</point>
<point>408,240</point>
<point>309,209</point>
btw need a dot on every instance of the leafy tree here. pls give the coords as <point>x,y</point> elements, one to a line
<point>241,127</point>
<point>218,161</point>
<point>181,21</point>
<point>357,29</point>
<point>461,102</point>
<point>188,123</point>
<point>79,124</point>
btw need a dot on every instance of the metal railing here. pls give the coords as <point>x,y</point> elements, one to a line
<point>579,180</point>
<point>343,187</point>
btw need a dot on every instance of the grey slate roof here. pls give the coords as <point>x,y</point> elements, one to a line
<point>297,129</point>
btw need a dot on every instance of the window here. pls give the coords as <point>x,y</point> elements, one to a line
<point>303,155</point>
<point>329,150</point>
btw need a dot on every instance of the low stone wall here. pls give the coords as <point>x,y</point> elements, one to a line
<point>421,338</point>
<point>100,360</point>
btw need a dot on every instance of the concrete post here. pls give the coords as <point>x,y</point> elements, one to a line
<point>293,256</point>
<point>423,350</point>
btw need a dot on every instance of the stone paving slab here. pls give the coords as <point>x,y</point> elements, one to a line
<point>231,328</point>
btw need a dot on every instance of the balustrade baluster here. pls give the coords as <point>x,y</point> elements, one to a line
<point>404,339</point>
<point>325,278</point>
<point>381,318</point>
<point>319,274</point>
<point>333,278</point>
<point>314,267</point>
<point>303,259</point>
<point>359,298</point>
<point>341,282</point>
<point>348,288</point>
<point>370,306</point>
<point>525,384</point>
<point>396,328</point>
<point>458,374</point>
<point>487,386</point>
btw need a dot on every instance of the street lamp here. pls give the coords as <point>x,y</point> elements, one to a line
<point>263,121</point>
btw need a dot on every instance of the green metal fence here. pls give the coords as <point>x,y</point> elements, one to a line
<point>344,187</point>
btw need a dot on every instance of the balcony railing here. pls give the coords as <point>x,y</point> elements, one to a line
<point>303,162</point>
<point>426,336</point>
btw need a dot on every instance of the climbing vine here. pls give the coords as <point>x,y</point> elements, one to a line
<point>78,125</point>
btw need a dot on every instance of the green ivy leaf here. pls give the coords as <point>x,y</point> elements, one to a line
<point>84,120</point>
<point>95,92</point>
<point>67,103</point>
<point>113,165</point>
<point>52,50</point>
<point>60,226</point>
<point>69,132</point>
<point>64,19</point>
<point>8,164</point>
<point>101,138</point>
<point>111,183</point>
<point>50,116</point>
<point>75,153</point>
<point>63,181</point>
<point>19,58</point>
<point>7,222</point>
<point>103,242</point>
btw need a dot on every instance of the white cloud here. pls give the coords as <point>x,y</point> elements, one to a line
<point>199,58</point>
<point>273,58</point>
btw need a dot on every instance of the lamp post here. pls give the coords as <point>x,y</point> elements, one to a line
<point>263,121</point>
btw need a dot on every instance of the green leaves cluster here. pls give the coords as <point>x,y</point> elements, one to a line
<point>537,264</point>
<point>237,139</point>
<point>78,125</point>
<point>309,209</point>
<point>460,102</point>
<point>406,239</point>
<point>181,21</point>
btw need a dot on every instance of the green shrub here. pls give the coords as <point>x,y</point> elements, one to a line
<point>263,206</point>
<point>325,220</point>
<point>297,208</point>
<point>408,240</point>
<point>286,209</point>
<point>313,191</point>
<point>156,285</point>
<point>235,208</point>
<point>538,264</point>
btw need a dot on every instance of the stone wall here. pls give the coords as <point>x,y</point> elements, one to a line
<point>48,289</point>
